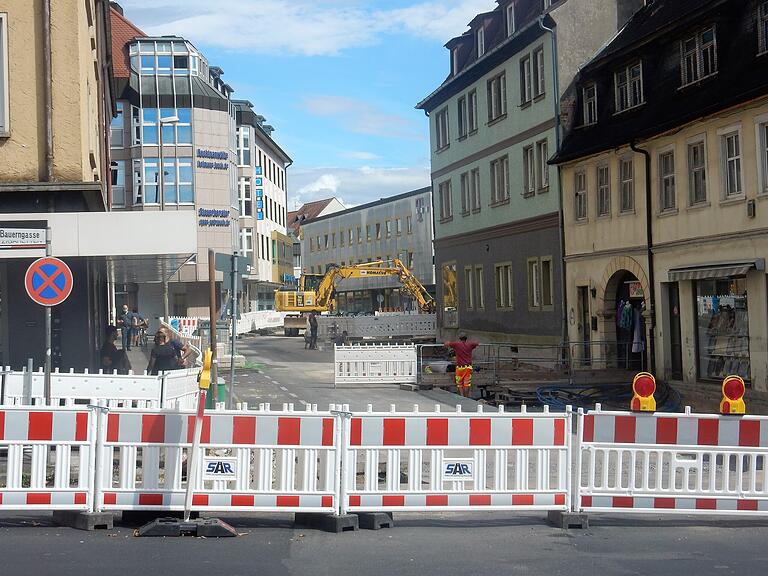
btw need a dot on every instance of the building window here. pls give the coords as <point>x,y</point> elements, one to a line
<point>333,240</point>
<point>359,235</point>
<point>398,227</point>
<point>311,244</point>
<point>762,27</point>
<point>480,41</point>
<point>698,55</point>
<point>117,169</point>
<point>465,193</point>
<point>667,180</point>
<point>542,168</point>
<point>116,126</point>
<point>589,97</point>
<point>500,180</point>
<point>468,288</point>
<point>326,241</point>
<point>697,173</point>
<point>450,295</point>
<point>378,230</point>
<point>455,61</point>
<point>409,224</point>
<point>627,184</point>
<point>580,196</point>
<point>138,182</point>
<point>135,126</point>
<point>526,80</point>
<point>244,145</point>
<point>540,283</point>
<point>342,239</point>
<point>497,97</point>
<point>475,189</point>
<point>479,302</point>
<point>629,87</point>
<point>603,191</point>
<point>539,80</point>
<point>472,111</point>
<point>388,228</point>
<point>246,242</point>
<point>731,154</point>
<point>510,19</point>
<point>351,237</point>
<point>245,197</point>
<point>462,112</point>
<point>504,286</point>
<point>762,142</point>
<point>5,126</point>
<point>443,137</point>
<point>529,172</point>
<point>444,196</point>
<point>367,232</point>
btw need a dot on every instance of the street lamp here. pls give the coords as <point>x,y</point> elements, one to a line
<point>167,121</point>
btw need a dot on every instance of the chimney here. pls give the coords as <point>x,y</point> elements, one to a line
<point>117,8</point>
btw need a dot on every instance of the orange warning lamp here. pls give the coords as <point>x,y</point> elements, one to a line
<point>733,395</point>
<point>643,386</point>
<point>205,374</point>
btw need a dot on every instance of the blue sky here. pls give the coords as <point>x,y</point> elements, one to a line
<point>338,79</point>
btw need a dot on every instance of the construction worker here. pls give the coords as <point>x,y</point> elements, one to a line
<point>463,349</point>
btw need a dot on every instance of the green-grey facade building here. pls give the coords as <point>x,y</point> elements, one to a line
<point>494,124</point>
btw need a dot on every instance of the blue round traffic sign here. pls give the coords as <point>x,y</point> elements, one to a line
<point>48,281</point>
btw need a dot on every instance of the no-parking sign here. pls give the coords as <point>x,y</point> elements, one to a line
<point>48,281</point>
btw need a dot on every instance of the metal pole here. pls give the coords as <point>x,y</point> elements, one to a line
<point>231,396</point>
<point>160,171</point>
<point>166,313</point>
<point>47,331</point>
<point>212,314</point>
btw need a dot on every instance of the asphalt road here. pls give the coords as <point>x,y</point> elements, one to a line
<point>279,370</point>
<point>436,544</point>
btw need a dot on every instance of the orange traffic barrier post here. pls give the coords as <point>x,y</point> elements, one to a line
<point>733,395</point>
<point>643,387</point>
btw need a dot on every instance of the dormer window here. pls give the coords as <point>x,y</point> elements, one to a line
<point>589,98</point>
<point>629,87</point>
<point>698,56</point>
<point>480,41</point>
<point>455,61</point>
<point>510,19</point>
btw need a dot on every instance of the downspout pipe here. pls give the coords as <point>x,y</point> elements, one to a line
<point>48,90</point>
<point>561,218</point>
<point>649,253</point>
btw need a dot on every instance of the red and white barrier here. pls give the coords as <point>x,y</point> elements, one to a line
<point>671,463</point>
<point>251,461</point>
<point>49,459</point>
<point>457,461</point>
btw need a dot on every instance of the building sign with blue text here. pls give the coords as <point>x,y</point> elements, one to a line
<point>213,218</point>
<point>212,159</point>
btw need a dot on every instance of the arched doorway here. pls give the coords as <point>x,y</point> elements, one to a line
<point>625,333</point>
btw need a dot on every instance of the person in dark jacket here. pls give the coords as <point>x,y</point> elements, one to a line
<point>163,357</point>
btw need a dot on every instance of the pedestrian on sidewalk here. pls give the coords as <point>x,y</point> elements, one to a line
<point>125,322</point>
<point>183,349</point>
<point>312,331</point>
<point>137,323</point>
<point>163,357</point>
<point>463,349</point>
<point>113,359</point>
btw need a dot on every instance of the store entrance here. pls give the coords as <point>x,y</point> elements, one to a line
<point>630,325</point>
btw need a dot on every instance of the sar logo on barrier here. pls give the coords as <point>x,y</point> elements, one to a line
<point>459,469</point>
<point>48,281</point>
<point>219,468</point>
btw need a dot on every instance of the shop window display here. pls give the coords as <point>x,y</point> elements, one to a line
<point>723,328</point>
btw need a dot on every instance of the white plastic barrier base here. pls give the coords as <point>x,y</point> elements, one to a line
<point>672,463</point>
<point>457,461</point>
<point>375,363</point>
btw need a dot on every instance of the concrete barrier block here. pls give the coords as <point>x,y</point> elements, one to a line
<point>84,520</point>
<point>567,520</point>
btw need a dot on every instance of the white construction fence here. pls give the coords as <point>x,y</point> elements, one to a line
<point>248,322</point>
<point>175,389</point>
<point>336,461</point>
<point>384,326</point>
<point>375,364</point>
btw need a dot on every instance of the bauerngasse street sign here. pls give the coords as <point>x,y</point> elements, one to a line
<point>22,239</point>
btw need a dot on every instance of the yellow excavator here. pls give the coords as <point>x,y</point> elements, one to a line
<point>317,293</point>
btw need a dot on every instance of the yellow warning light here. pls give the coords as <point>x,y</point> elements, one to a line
<point>733,395</point>
<point>643,387</point>
<point>205,374</point>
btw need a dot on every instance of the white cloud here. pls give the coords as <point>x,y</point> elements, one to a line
<point>353,186</point>
<point>322,27</point>
<point>363,118</point>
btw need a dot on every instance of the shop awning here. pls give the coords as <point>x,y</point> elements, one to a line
<point>719,270</point>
